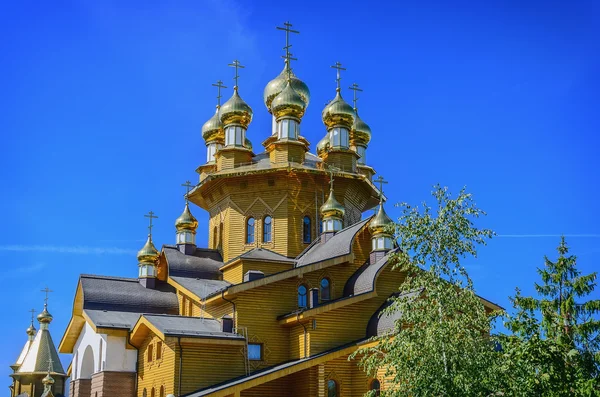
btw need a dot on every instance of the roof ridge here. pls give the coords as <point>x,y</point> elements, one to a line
<point>102,277</point>
<point>178,316</point>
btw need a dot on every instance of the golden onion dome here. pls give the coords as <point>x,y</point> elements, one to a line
<point>332,208</point>
<point>288,103</point>
<point>45,317</point>
<point>323,145</point>
<point>275,86</point>
<point>360,131</point>
<point>247,143</point>
<point>381,222</point>
<point>148,253</point>
<point>236,111</point>
<point>186,221</point>
<point>31,330</point>
<point>213,129</point>
<point>48,380</point>
<point>338,112</point>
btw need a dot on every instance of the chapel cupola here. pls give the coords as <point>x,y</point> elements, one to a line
<point>45,318</point>
<point>381,228</point>
<point>147,258</point>
<point>212,130</point>
<point>31,330</point>
<point>332,213</point>
<point>288,109</point>
<point>186,226</point>
<point>360,133</point>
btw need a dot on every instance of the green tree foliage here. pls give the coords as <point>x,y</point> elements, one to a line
<point>440,347</point>
<point>554,346</point>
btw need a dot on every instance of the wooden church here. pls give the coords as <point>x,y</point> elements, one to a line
<point>292,281</point>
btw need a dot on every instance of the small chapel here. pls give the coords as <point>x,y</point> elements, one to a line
<point>292,280</point>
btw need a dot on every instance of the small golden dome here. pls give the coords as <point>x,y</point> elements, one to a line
<point>338,112</point>
<point>381,222</point>
<point>148,253</point>
<point>275,86</point>
<point>236,111</point>
<point>288,103</point>
<point>45,317</point>
<point>323,145</point>
<point>247,143</point>
<point>332,208</point>
<point>31,330</point>
<point>212,130</point>
<point>48,380</point>
<point>360,131</point>
<point>186,221</point>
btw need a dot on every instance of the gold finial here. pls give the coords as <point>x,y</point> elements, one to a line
<point>48,381</point>
<point>32,311</point>
<point>151,216</point>
<point>45,317</point>
<point>46,291</point>
<point>354,87</point>
<point>288,56</point>
<point>219,85</point>
<point>332,168</point>
<point>237,65</point>
<point>188,186</point>
<point>339,67</point>
<point>381,182</point>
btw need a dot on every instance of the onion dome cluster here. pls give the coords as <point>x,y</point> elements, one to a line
<point>278,84</point>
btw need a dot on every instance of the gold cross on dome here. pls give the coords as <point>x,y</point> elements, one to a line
<point>47,291</point>
<point>219,85</point>
<point>32,311</point>
<point>354,87</point>
<point>151,216</point>
<point>381,181</point>
<point>287,29</point>
<point>332,168</point>
<point>237,65</point>
<point>188,186</point>
<point>339,67</point>
<point>288,59</point>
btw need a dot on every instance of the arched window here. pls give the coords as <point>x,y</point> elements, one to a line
<point>150,352</point>
<point>158,350</point>
<point>220,243</point>
<point>162,392</point>
<point>376,387</point>
<point>332,388</point>
<point>306,230</point>
<point>152,393</point>
<point>215,236</point>
<point>250,231</point>
<point>144,393</point>
<point>302,298</point>
<point>325,289</point>
<point>267,229</point>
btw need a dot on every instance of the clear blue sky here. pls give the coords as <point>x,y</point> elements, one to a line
<point>102,104</point>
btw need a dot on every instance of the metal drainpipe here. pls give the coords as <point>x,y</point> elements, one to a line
<point>180,363</point>
<point>232,304</point>
<point>303,326</point>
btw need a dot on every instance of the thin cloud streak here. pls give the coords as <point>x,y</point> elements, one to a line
<point>80,250</point>
<point>547,235</point>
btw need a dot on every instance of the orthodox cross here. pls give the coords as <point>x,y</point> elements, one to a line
<point>354,87</point>
<point>339,67</point>
<point>219,85</point>
<point>331,179</point>
<point>47,291</point>
<point>381,181</point>
<point>288,59</point>
<point>151,216</point>
<point>288,30</point>
<point>50,362</point>
<point>32,311</point>
<point>188,185</point>
<point>237,65</point>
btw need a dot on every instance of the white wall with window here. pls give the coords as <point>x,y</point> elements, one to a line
<point>212,149</point>
<point>186,237</point>
<point>147,271</point>
<point>382,243</point>
<point>339,138</point>
<point>288,129</point>
<point>235,135</point>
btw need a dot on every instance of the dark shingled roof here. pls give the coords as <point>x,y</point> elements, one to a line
<point>265,255</point>
<point>203,263</point>
<point>189,326</point>
<point>338,245</point>
<point>42,349</point>
<point>127,295</point>
<point>363,280</point>
<point>381,323</point>
<point>113,319</point>
<point>201,287</point>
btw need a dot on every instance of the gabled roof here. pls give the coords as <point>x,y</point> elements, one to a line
<point>202,263</point>
<point>112,319</point>
<point>202,288</point>
<point>127,295</point>
<point>338,245</point>
<point>38,356</point>
<point>364,278</point>
<point>265,255</point>
<point>382,323</point>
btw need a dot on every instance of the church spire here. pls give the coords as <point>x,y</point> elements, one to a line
<point>360,133</point>
<point>236,115</point>
<point>147,257</point>
<point>332,211</point>
<point>380,225</point>
<point>186,226</point>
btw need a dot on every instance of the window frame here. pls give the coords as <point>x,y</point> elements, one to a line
<point>306,230</point>
<point>150,352</point>
<point>305,296</point>
<point>267,235</point>
<point>159,350</point>
<point>378,389</point>
<point>262,349</point>
<point>250,236</point>
<point>337,388</point>
<point>321,289</point>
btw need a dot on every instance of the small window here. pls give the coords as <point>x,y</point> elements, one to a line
<point>150,352</point>
<point>162,392</point>
<point>250,231</point>
<point>306,230</point>
<point>325,289</point>
<point>144,393</point>
<point>215,235</point>
<point>158,350</point>
<point>190,308</point>
<point>302,301</point>
<point>267,229</point>
<point>332,388</point>
<point>152,393</point>
<point>376,387</point>
<point>183,305</point>
<point>255,351</point>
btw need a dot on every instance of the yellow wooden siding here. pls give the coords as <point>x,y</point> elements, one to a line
<point>156,373</point>
<point>235,273</point>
